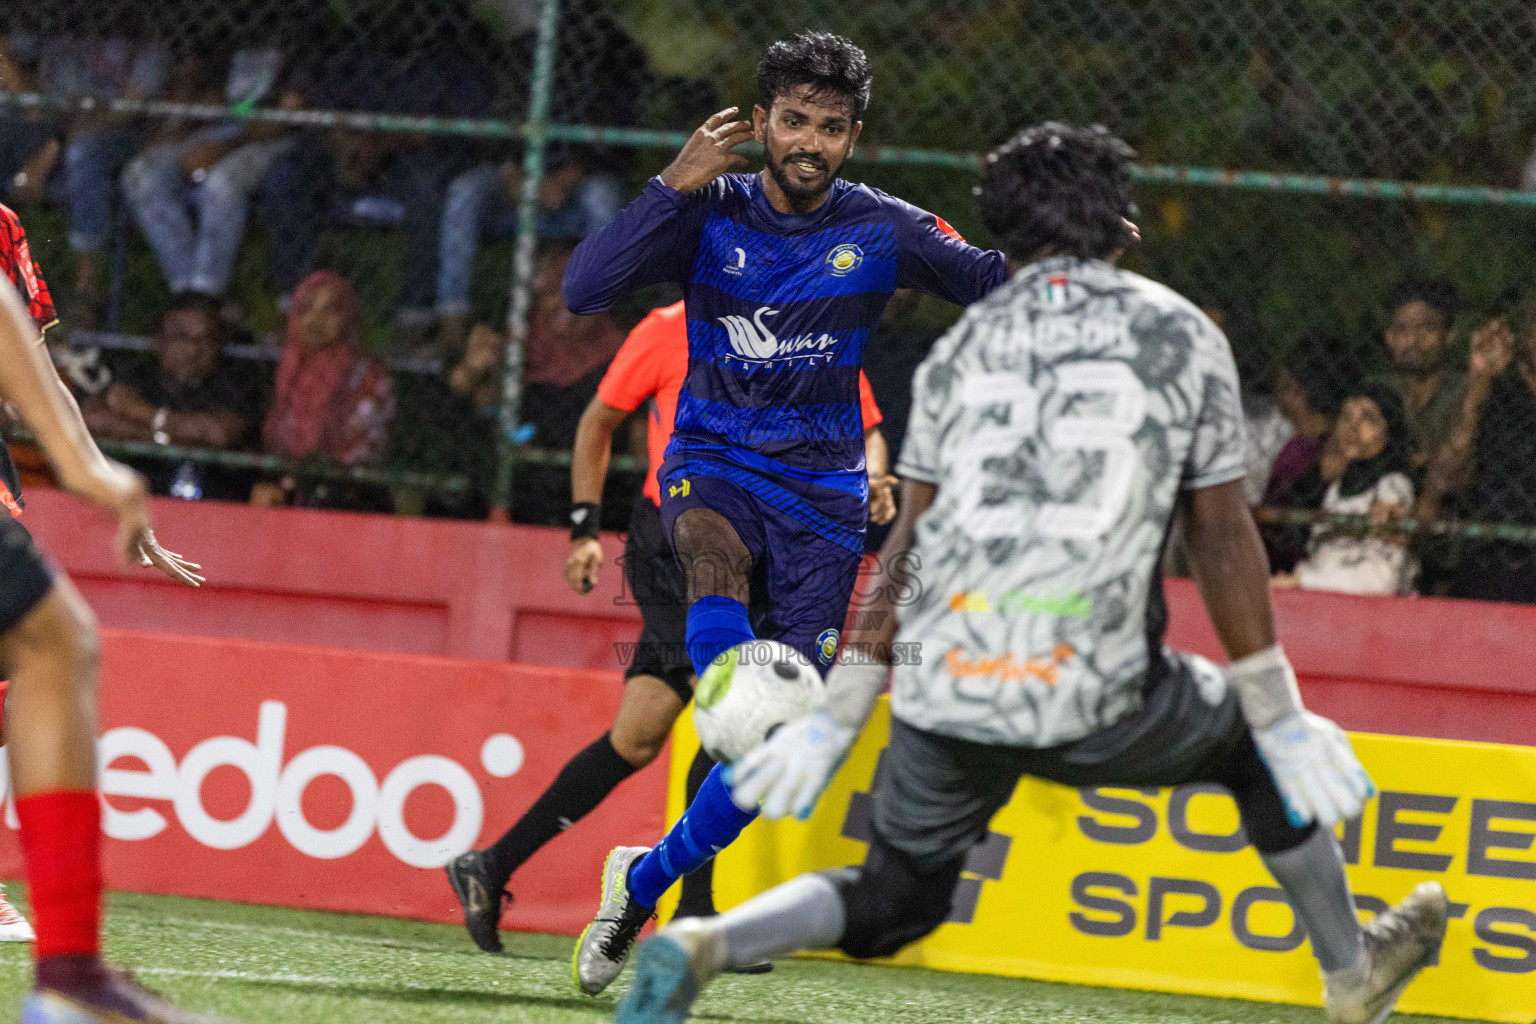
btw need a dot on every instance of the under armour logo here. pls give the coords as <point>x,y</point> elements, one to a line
<point>678,489</point>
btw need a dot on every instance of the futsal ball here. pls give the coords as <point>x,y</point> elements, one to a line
<point>749,691</point>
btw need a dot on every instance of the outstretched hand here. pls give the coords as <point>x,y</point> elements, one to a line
<point>122,492</point>
<point>179,569</point>
<point>786,773</point>
<point>709,152</point>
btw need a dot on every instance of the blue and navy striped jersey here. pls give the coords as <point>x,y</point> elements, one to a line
<point>779,308</point>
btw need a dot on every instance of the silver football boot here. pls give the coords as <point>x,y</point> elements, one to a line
<point>604,945</point>
<point>1397,946</point>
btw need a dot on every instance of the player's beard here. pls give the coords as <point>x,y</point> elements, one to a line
<point>797,192</point>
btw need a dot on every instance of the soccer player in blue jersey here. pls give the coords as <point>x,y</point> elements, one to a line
<point>785,273</point>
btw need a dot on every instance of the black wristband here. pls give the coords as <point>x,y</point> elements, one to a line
<point>586,519</point>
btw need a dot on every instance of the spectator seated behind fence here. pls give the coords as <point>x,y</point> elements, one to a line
<point>574,200</point>
<point>189,396</point>
<point>563,360</point>
<point>1310,382</point>
<point>31,138</point>
<point>332,402</point>
<point>215,167</point>
<point>1487,470</point>
<point>1365,471</point>
<point>1420,317</point>
<point>374,176</point>
<point>101,141</point>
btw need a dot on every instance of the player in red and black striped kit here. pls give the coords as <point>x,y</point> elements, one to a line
<point>48,649</point>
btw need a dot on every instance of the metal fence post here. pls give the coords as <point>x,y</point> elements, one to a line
<point>535,136</point>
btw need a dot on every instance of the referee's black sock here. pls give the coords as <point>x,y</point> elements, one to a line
<point>581,785</point>
<point>698,896</point>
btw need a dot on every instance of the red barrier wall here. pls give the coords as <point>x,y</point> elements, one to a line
<point>343,780</point>
<point>387,583</point>
<point>1419,666</point>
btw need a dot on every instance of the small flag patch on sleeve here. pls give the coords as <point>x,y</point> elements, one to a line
<point>944,226</point>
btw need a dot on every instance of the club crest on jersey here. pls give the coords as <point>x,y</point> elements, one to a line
<point>844,259</point>
<point>826,646</point>
<point>737,263</point>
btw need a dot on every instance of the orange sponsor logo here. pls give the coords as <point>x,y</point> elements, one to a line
<point>969,601</point>
<point>1008,668</point>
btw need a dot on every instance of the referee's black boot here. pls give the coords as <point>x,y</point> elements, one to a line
<point>480,898</point>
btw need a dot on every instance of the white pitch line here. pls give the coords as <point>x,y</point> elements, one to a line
<point>254,976</point>
<point>275,929</point>
<point>305,979</point>
<point>299,979</point>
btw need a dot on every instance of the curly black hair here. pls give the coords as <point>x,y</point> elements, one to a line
<point>1061,187</point>
<point>1436,293</point>
<point>826,62</point>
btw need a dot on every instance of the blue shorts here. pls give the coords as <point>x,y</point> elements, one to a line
<point>806,541</point>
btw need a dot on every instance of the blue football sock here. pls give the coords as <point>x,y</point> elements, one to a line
<point>710,824</point>
<point>715,624</point>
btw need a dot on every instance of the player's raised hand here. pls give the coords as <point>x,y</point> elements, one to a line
<point>787,772</point>
<point>584,564</point>
<point>709,152</point>
<point>1491,350</point>
<point>1315,769</point>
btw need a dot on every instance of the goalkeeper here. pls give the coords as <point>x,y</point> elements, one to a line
<point>1054,432</point>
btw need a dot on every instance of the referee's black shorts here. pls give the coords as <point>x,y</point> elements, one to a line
<point>25,576</point>
<point>657,585</point>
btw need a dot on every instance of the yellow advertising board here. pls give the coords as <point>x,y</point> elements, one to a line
<point>1158,889</point>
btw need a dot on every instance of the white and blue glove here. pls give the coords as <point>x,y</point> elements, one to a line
<point>787,773</point>
<point>1315,769</point>
<point>1308,756</point>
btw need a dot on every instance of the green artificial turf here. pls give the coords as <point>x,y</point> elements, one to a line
<point>266,965</point>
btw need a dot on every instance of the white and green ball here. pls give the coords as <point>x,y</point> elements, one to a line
<point>750,690</point>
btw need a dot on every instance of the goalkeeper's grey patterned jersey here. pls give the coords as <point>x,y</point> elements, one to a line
<point>1059,419</point>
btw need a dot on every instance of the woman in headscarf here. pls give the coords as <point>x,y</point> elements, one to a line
<point>332,401</point>
<point>1364,471</point>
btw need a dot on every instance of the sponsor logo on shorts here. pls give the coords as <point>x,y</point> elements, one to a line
<point>1007,667</point>
<point>844,259</point>
<point>826,646</point>
<point>1017,602</point>
<point>678,490</point>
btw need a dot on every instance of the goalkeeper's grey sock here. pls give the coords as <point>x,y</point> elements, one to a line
<point>1312,875</point>
<point>803,913</point>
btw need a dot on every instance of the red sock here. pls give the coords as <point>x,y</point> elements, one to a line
<point>4,689</point>
<point>61,844</point>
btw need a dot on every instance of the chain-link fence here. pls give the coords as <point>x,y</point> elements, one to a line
<point>442,155</point>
